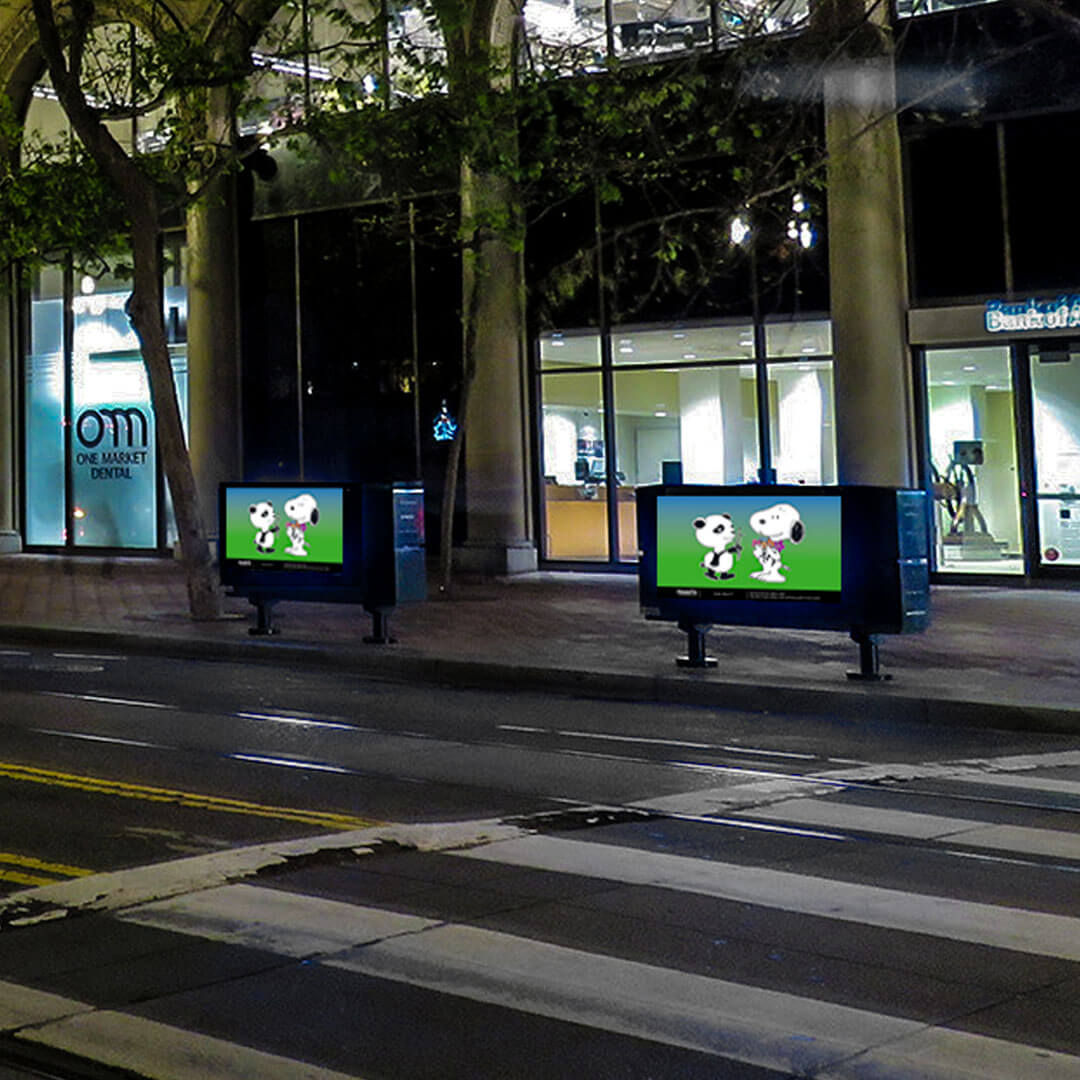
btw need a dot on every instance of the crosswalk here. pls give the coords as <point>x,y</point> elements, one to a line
<point>863,932</point>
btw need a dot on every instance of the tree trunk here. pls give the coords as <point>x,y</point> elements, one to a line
<point>145,307</point>
<point>148,319</point>
<point>470,315</point>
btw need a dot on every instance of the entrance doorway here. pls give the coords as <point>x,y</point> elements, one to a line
<point>1055,402</point>
<point>1003,423</point>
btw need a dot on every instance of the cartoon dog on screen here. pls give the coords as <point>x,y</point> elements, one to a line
<point>718,533</point>
<point>302,512</point>
<point>776,525</point>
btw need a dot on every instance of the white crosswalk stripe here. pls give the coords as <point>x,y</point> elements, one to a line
<point>958,920</point>
<point>823,813</point>
<point>580,976</point>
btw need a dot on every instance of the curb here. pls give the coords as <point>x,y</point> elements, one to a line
<point>850,701</point>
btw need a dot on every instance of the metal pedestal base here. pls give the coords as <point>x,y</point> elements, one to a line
<point>264,617</point>
<point>380,630</point>
<point>869,660</point>
<point>695,639</point>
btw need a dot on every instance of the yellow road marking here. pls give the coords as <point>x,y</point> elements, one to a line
<point>189,799</point>
<point>30,863</point>
<point>25,879</point>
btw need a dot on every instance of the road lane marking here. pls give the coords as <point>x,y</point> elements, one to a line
<point>85,656</point>
<point>28,862</point>
<point>17,877</point>
<point>771,1028</point>
<point>1035,932</point>
<point>290,763</point>
<point>137,1045</point>
<point>102,700</point>
<point>301,721</point>
<point>188,799</point>
<point>882,821</point>
<point>100,738</point>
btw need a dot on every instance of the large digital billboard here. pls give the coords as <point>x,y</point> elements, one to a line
<point>298,527</point>
<point>749,545</point>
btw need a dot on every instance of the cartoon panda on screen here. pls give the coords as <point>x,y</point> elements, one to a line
<point>718,533</point>
<point>264,521</point>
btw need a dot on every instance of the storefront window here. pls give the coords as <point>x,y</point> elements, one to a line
<point>679,345</point>
<point>558,350</point>
<point>114,466</point>
<point>575,488</point>
<point>703,417</point>
<point>44,397</point>
<point>1055,385</point>
<point>682,394</point>
<point>801,422</point>
<point>109,465</point>
<point>973,460</point>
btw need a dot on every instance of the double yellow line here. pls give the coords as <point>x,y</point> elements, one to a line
<point>27,862</point>
<point>188,799</point>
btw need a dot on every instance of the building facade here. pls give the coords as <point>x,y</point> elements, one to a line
<point>924,330</point>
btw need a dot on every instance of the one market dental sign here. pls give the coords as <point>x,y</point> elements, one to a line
<point>1061,313</point>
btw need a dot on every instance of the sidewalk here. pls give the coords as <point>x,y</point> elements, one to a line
<point>993,656</point>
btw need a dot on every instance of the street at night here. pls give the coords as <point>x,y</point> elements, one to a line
<point>382,880</point>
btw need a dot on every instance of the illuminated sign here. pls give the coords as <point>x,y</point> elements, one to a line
<point>1061,313</point>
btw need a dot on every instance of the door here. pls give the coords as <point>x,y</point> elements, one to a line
<point>1055,427</point>
<point>973,466</point>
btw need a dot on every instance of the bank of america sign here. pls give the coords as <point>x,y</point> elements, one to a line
<point>1010,316</point>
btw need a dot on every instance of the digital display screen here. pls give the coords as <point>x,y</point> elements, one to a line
<point>750,546</point>
<point>299,527</point>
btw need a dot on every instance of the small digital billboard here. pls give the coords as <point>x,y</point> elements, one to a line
<point>758,545</point>
<point>284,527</point>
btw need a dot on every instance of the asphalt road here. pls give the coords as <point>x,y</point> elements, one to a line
<point>111,761</point>
<point>694,892</point>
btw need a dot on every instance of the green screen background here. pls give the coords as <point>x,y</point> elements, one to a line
<point>814,562</point>
<point>325,540</point>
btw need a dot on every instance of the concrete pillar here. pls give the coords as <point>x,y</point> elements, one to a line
<point>10,540</point>
<point>497,458</point>
<point>213,343</point>
<point>867,266</point>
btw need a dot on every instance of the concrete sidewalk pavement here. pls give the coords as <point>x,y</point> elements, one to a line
<point>993,656</point>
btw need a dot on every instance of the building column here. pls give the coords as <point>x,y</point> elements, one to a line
<point>868,273</point>
<point>213,344</point>
<point>10,539</point>
<point>497,469</point>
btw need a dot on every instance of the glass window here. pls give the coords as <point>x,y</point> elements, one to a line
<point>1055,384</point>
<point>565,36</point>
<point>973,460</point>
<point>575,489</point>
<point>682,344</point>
<point>655,27</point>
<point>114,467</point>
<point>801,422</point>
<point>44,396</point>
<point>810,338</point>
<point>112,51</point>
<point>566,350</point>
<point>113,457</point>
<point>907,8</point>
<point>703,417</point>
